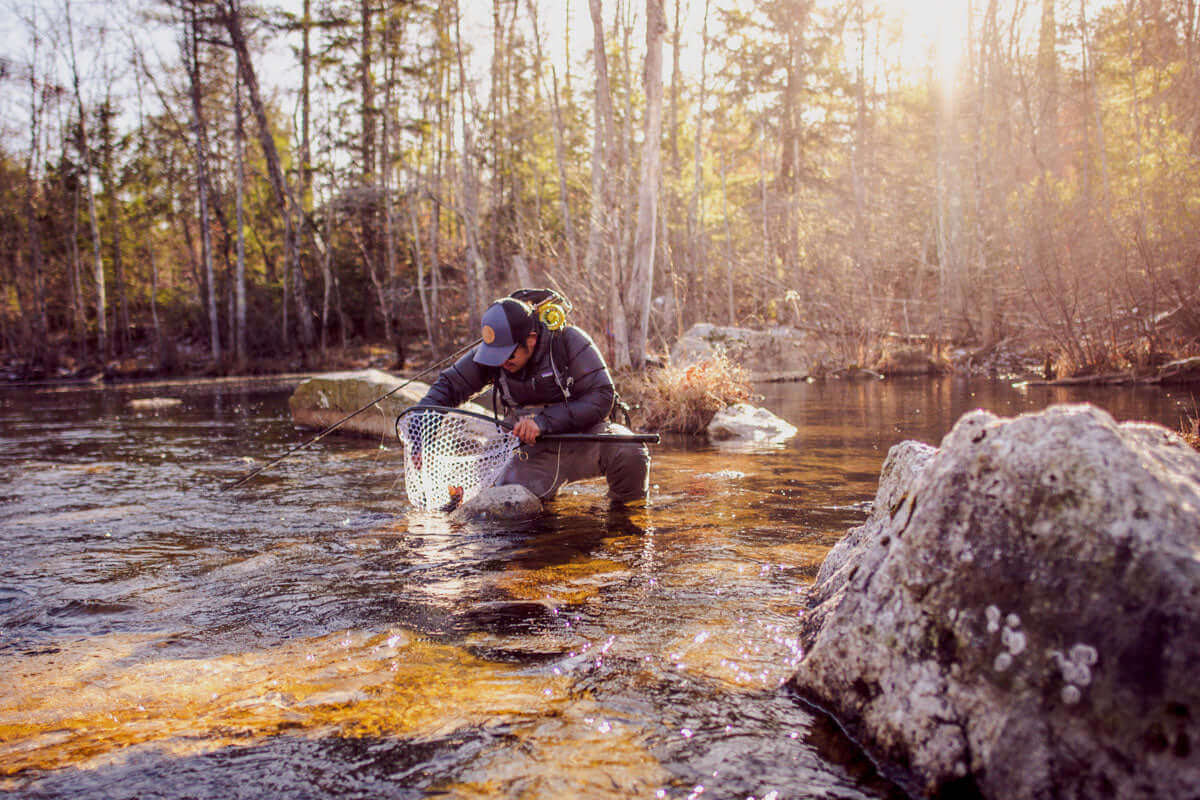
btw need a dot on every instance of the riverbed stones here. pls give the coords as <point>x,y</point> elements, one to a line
<point>1019,617</point>
<point>742,422</point>
<point>511,502</point>
<point>775,354</point>
<point>324,399</point>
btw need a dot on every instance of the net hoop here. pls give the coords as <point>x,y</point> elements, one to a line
<point>450,454</point>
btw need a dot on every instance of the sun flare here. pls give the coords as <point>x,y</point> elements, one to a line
<point>929,34</point>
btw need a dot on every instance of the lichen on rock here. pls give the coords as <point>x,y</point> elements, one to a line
<point>1020,614</point>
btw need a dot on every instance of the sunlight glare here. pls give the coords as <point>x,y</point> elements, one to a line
<point>932,32</point>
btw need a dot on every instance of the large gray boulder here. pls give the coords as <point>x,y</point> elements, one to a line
<point>1020,615</point>
<point>322,400</point>
<point>775,354</point>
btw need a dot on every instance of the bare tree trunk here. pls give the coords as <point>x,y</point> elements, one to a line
<point>641,283</point>
<point>603,150</point>
<point>762,162</point>
<point>239,311</point>
<point>231,18</point>
<point>386,174</point>
<point>732,311</point>
<point>85,157</point>
<point>193,66</point>
<point>564,192</point>
<point>673,211</point>
<point>559,145</point>
<point>76,275</point>
<point>113,205</point>
<point>695,212</point>
<point>476,270</point>
<point>32,226</point>
<point>426,317</point>
<point>603,238</point>
<point>859,155</point>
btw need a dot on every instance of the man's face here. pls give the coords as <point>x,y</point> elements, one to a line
<point>521,355</point>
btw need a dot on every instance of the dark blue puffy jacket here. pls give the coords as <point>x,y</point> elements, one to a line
<point>581,369</point>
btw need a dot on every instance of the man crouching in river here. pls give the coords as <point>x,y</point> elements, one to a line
<point>549,381</point>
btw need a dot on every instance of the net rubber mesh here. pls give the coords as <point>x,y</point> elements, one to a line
<point>449,457</point>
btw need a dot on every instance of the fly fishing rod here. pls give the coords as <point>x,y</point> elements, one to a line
<point>648,438</point>
<point>349,417</point>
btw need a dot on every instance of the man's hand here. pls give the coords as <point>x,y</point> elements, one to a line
<point>527,430</point>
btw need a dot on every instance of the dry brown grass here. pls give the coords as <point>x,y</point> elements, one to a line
<point>1189,429</point>
<point>685,399</point>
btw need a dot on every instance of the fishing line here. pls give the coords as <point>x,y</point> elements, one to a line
<point>349,417</point>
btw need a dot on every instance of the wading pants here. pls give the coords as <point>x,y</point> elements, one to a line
<point>545,466</point>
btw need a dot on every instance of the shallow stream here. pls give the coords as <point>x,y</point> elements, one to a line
<point>308,637</point>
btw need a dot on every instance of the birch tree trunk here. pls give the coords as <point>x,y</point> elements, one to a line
<point>641,282</point>
<point>192,60</point>
<point>85,157</point>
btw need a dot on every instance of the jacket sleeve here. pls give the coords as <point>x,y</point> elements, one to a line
<point>458,383</point>
<point>591,385</point>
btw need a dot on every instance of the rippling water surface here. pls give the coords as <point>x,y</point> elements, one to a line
<point>307,636</point>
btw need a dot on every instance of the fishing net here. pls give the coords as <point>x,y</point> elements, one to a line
<point>449,456</point>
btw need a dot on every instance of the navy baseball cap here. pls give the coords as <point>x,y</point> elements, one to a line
<point>506,324</point>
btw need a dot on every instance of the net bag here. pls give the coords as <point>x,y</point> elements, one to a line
<point>450,455</point>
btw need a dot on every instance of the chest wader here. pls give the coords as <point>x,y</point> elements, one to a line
<point>545,467</point>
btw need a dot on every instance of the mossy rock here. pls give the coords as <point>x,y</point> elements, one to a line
<point>324,399</point>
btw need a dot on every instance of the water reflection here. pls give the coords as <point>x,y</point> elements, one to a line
<point>162,638</point>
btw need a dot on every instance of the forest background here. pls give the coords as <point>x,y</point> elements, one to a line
<point>230,186</point>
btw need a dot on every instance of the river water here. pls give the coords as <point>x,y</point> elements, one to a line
<point>308,637</point>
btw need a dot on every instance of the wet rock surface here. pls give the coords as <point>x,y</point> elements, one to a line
<point>322,400</point>
<point>1020,615</point>
<point>510,502</point>
<point>775,354</point>
<point>742,422</point>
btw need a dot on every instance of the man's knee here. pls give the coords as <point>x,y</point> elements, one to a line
<point>628,472</point>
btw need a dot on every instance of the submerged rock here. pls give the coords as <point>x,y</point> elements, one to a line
<point>1020,615</point>
<point>501,503</point>
<point>742,422</point>
<point>154,403</point>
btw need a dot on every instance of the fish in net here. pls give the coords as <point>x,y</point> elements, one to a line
<point>449,456</point>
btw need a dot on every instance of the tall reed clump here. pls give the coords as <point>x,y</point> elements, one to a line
<point>685,399</point>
